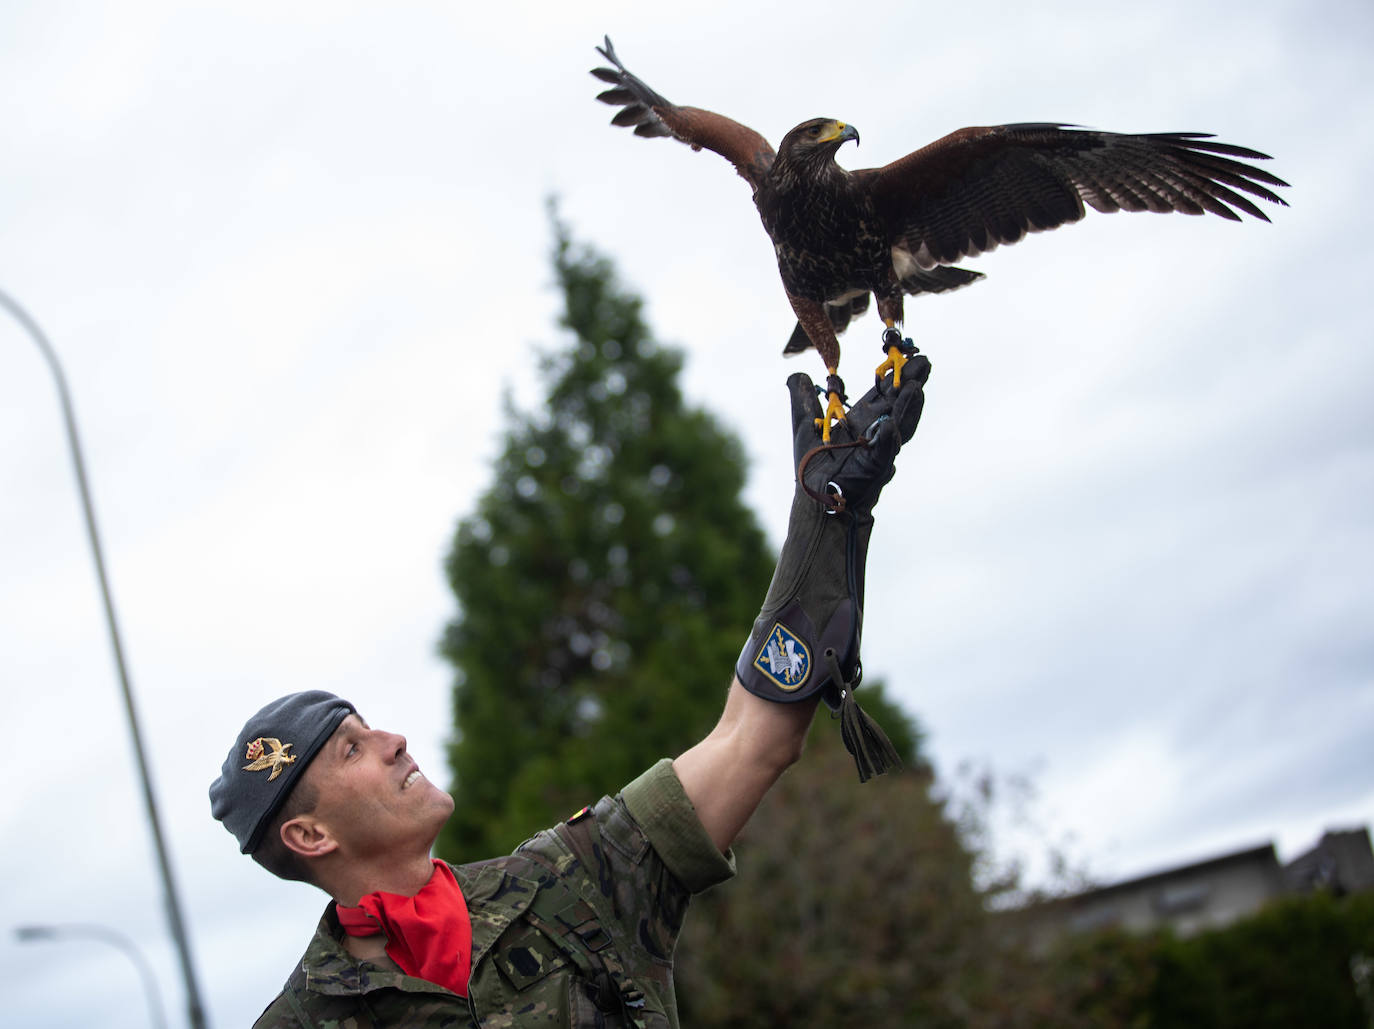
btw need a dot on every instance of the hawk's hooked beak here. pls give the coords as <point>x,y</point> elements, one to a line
<point>842,133</point>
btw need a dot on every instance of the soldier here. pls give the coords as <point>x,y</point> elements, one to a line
<point>577,927</point>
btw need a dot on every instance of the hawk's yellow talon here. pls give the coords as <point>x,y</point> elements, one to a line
<point>834,404</point>
<point>899,351</point>
<point>834,414</point>
<point>895,362</point>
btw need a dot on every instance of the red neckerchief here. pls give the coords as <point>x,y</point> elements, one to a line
<point>429,935</point>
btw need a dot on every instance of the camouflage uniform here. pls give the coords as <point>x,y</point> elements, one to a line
<point>614,880</point>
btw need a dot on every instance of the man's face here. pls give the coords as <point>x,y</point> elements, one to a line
<point>372,796</point>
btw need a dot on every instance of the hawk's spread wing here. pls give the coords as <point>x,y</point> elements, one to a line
<point>979,187</point>
<point>652,115</point>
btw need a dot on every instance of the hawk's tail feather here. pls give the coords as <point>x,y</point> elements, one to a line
<point>940,279</point>
<point>840,312</point>
<point>798,342</point>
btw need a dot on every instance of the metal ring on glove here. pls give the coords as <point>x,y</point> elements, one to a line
<point>839,495</point>
<point>820,498</point>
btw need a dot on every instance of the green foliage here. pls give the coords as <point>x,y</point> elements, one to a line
<point>853,905</point>
<point>1100,980</point>
<point>605,581</point>
<point>1288,965</point>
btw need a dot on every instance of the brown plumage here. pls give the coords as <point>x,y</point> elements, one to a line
<point>840,235</point>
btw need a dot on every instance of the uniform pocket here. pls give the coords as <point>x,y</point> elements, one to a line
<point>525,957</point>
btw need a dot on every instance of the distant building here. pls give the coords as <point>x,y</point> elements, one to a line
<point>1209,894</point>
<point>1340,862</point>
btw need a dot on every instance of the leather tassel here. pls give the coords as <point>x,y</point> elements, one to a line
<point>864,738</point>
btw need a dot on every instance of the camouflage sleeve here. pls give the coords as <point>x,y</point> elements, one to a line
<point>639,857</point>
<point>657,801</point>
<point>277,1016</point>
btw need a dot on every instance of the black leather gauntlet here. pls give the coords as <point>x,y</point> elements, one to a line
<point>806,638</point>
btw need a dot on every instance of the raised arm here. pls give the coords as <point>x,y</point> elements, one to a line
<point>728,773</point>
<point>804,646</point>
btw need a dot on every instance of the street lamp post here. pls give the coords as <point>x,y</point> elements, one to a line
<point>29,933</point>
<point>196,1011</point>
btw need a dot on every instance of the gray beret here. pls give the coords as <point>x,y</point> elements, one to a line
<point>269,757</point>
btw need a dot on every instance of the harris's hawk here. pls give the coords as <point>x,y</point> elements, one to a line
<point>842,235</point>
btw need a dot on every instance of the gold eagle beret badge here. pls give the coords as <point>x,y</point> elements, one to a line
<point>277,759</point>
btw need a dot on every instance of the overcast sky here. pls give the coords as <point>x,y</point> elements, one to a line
<point>293,255</point>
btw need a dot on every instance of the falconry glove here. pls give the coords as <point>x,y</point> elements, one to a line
<point>806,638</point>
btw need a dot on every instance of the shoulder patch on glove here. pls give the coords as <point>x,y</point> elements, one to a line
<point>784,659</point>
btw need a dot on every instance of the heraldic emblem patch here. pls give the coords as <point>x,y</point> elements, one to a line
<point>784,658</point>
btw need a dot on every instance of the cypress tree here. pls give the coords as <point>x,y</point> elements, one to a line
<point>605,581</point>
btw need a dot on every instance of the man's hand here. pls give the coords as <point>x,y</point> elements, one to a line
<point>819,580</point>
<point>805,641</point>
<point>884,417</point>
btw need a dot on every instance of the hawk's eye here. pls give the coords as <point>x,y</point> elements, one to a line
<point>815,130</point>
